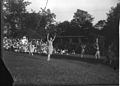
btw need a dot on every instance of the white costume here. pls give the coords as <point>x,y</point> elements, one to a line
<point>31,49</point>
<point>83,50</point>
<point>50,46</point>
<point>97,55</point>
<point>24,42</point>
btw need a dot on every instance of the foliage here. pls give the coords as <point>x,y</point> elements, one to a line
<point>78,26</point>
<point>82,18</point>
<point>64,28</point>
<point>46,22</point>
<point>13,11</point>
<point>111,29</point>
<point>23,23</point>
<point>37,23</point>
<point>100,24</point>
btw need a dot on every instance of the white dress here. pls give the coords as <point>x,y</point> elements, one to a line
<point>32,48</point>
<point>50,47</point>
<point>24,44</point>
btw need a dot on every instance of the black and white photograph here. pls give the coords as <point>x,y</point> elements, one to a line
<point>60,42</point>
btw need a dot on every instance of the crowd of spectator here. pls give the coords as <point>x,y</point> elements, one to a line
<point>35,46</point>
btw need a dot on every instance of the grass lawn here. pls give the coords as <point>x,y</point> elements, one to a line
<point>34,70</point>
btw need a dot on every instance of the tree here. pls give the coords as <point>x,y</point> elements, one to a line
<point>100,24</point>
<point>111,29</point>
<point>112,24</point>
<point>13,11</point>
<point>64,28</point>
<point>47,18</point>
<point>79,25</point>
<point>81,22</point>
<point>82,18</point>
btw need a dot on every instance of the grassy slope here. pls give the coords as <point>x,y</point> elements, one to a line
<point>36,70</point>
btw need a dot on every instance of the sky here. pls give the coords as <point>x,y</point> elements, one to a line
<point>65,9</point>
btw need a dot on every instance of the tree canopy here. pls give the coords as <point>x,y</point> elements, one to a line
<point>82,18</point>
<point>19,22</point>
<point>79,25</point>
<point>13,11</point>
<point>111,29</point>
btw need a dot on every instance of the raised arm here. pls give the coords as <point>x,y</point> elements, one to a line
<point>47,36</point>
<point>54,38</point>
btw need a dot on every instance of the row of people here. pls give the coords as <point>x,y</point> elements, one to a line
<point>22,45</point>
<point>25,45</point>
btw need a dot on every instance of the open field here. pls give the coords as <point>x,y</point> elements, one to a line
<point>34,70</point>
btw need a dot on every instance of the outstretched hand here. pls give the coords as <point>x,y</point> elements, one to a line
<point>48,36</point>
<point>54,37</point>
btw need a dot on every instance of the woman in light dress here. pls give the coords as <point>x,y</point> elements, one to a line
<point>31,48</point>
<point>97,54</point>
<point>83,46</point>
<point>50,46</point>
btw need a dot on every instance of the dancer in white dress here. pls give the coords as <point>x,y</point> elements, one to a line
<point>50,46</point>
<point>83,46</point>
<point>31,48</point>
<point>97,54</point>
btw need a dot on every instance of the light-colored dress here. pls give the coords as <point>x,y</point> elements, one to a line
<point>50,47</point>
<point>32,48</point>
<point>24,43</point>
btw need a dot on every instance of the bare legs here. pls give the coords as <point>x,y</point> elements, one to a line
<point>48,57</point>
<point>97,55</point>
<point>82,53</point>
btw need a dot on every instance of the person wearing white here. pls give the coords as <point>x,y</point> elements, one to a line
<point>31,48</point>
<point>50,46</point>
<point>24,43</point>
<point>83,50</point>
<point>97,55</point>
<point>24,40</point>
